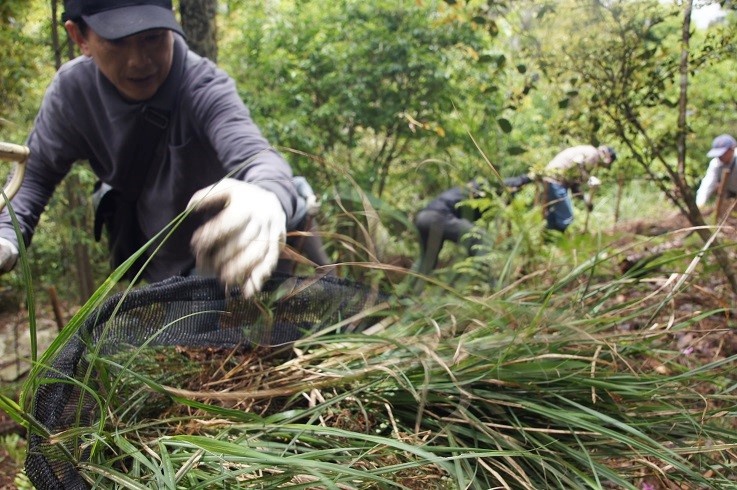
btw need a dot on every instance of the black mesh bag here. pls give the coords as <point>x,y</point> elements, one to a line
<point>187,312</point>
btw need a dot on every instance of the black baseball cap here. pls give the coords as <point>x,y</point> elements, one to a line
<point>115,19</point>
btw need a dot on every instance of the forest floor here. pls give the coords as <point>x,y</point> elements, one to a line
<point>710,339</point>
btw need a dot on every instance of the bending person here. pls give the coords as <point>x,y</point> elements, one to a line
<point>570,169</point>
<point>446,219</point>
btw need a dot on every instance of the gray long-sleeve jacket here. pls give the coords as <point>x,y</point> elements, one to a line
<point>210,135</point>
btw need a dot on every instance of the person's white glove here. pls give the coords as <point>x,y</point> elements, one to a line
<point>242,242</point>
<point>305,191</point>
<point>594,182</point>
<point>313,207</point>
<point>8,255</point>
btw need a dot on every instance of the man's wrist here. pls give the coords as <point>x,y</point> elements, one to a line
<point>4,242</point>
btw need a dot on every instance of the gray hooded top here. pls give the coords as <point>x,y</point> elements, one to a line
<point>210,135</point>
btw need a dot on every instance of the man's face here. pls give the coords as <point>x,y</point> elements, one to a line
<point>726,158</point>
<point>605,158</point>
<point>136,65</point>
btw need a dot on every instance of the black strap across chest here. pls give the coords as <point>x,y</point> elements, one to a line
<point>152,125</point>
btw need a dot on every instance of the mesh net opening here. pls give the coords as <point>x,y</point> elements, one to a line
<point>185,312</point>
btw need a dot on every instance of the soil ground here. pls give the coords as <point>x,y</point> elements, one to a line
<point>8,470</point>
<point>14,350</point>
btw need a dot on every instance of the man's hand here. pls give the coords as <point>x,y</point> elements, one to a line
<point>313,207</point>
<point>594,182</point>
<point>242,241</point>
<point>305,191</point>
<point>8,255</point>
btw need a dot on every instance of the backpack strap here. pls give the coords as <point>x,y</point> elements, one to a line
<point>116,210</point>
<point>153,123</point>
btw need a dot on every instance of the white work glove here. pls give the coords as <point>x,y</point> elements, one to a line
<point>305,191</point>
<point>594,182</point>
<point>8,255</point>
<point>312,205</point>
<point>242,242</point>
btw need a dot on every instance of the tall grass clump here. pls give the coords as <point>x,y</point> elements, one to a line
<point>558,383</point>
<point>561,372</point>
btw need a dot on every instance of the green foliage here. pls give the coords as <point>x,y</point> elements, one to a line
<point>379,94</point>
<point>26,71</point>
<point>20,66</point>
<point>621,53</point>
<point>13,449</point>
<point>374,86</point>
<point>617,81</point>
<point>711,96</point>
<point>407,99</point>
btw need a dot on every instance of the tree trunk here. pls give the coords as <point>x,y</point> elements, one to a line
<point>198,22</point>
<point>78,223</point>
<point>71,185</point>
<point>55,42</point>
<point>694,213</point>
<point>618,202</point>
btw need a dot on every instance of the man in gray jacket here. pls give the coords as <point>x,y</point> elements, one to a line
<point>166,130</point>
